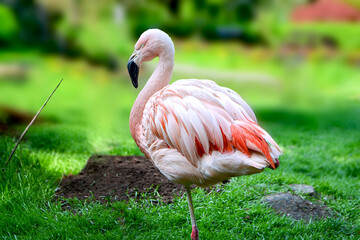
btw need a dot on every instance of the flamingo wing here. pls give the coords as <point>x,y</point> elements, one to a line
<point>197,117</point>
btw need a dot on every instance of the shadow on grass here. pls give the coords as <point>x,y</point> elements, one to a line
<point>316,144</point>
<point>58,138</point>
<point>347,118</point>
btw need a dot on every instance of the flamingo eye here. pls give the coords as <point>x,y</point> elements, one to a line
<point>141,46</point>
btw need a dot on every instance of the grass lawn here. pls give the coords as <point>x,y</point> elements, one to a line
<point>312,111</point>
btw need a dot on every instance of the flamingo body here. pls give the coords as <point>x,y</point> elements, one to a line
<point>197,132</point>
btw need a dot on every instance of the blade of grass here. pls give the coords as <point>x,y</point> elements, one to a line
<point>32,121</point>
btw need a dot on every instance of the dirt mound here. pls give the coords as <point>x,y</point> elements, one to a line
<point>118,178</point>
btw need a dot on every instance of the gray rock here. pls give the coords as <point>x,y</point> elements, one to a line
<point>304,189</point>
<point>296,207</point>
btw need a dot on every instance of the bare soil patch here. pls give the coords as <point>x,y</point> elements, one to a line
<point>115,178</point>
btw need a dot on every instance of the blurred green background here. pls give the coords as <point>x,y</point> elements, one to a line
<point>296,62</point>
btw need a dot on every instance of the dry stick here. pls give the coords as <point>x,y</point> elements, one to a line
<point>27,128</point>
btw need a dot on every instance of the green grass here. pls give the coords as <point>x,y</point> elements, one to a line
<point>312,112</point>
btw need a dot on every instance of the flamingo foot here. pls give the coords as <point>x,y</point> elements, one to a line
<point>195,233</point>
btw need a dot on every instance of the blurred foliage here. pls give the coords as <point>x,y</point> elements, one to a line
<point>272,17</point>
<point>210,19</point>
<point>104,31</point>
<point>354,3</point>
<point>273,24</point>
<point>72,21</point>
<point>36,24</point>
<point>97,31</point>
<point>9,27</point>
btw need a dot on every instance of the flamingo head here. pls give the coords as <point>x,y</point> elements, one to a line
<point>151,44</point>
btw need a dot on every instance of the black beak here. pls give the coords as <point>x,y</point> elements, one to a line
<point>133,72</point>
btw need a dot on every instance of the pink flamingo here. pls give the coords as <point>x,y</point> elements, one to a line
<point>194,131</point>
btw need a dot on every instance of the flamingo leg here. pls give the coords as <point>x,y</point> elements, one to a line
<point>195,232</point>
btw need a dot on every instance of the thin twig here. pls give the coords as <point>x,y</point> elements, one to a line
<point>27,128</point>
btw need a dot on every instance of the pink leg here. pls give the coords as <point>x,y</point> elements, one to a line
<point>195,232</point>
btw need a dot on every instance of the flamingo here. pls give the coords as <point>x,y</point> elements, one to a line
<point>194,131</point>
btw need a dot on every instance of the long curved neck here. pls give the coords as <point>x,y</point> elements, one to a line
<point>159,79</point>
